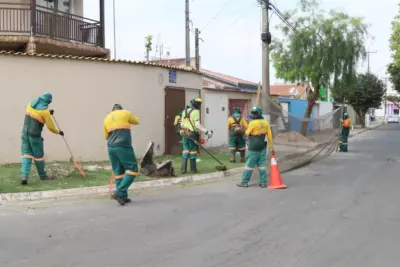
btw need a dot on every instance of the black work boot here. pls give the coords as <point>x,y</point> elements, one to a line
<point>242,185</point>
<point>242,156</point>
<point>47,178</point>
<point>24,180</point>
<point>128,200</point>
<point>193,165</point>
<point>184,165</point>
<point>233,160</point>
<point>120,200</point>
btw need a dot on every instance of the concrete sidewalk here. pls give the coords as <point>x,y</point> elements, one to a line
<point>289,157</point>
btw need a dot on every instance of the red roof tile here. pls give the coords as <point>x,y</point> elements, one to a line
<point>284,89</point>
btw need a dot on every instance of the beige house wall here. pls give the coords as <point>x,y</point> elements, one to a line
<point>217,103</point>
<point>84,92</point>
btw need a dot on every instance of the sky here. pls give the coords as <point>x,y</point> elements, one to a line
<point>230,30</point>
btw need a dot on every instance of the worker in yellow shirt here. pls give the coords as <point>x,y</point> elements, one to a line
<point>177,124</point>
<point>37,115</point>
<point>191,128</point>
<point>258,130</point>
<point>237,126</point>
<point>117,132</point>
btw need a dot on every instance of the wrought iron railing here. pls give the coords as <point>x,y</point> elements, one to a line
<point>16,19</point>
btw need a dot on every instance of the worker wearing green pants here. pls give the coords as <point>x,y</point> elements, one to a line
<point>36,116</point>
<point>190,131</point>
<point>117,132</point>
<point>258,130</point>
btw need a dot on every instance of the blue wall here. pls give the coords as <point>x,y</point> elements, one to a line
<point>297,109</point>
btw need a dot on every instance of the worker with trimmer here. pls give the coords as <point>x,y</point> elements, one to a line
<point>237,125</point>
<point>117,132</point>
<point>257,132</point>
<point>36,116</point>
<point>190,132</point>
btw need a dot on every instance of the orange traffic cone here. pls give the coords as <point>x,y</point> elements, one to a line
<point>275,175</point>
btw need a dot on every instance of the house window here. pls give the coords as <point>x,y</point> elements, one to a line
<point>59,5</point>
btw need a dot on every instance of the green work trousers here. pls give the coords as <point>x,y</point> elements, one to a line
<point>237,143</point>
<point>125,168</point>
<point>180,138</point>
<point>255,159</point>
<point>190,148</point>
<point>32,149</point>
<point>343,139</point>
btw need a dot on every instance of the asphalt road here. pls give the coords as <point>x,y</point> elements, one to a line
<point>339,212</point>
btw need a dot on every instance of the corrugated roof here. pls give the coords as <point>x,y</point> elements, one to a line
<point>226,77</point>
<point>105,60</point>
<point>284,89</point>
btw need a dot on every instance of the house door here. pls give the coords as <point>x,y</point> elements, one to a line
<point>242,103</point>
<point>174,101</point>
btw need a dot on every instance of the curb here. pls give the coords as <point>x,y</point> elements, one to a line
<point>366,129</point>
<point>104,189</point>
<point>160,183</point>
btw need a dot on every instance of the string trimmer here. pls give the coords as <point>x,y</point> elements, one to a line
<point>221,167</point>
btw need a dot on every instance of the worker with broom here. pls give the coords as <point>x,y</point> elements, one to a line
<point>258,130</point>
<point>190,132</point>
<point>177,124</point>
<point>117,132</point>
<point>237,126</point>
<point>36,116</point>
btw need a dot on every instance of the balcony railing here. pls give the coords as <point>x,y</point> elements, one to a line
<point>16,19</point>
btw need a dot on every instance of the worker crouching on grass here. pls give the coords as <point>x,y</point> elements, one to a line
<point>117,132</point>
<point>257,131</point>
<point>36,116</point>
<point>190,132</point>
<point>237,125</point>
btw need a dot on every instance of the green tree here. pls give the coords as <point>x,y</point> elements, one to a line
<point>395,39</point>
<point>394,67</point>
<point>148,45</point>
<point>394,76</point>
<point>324,47</point>
<point>368,92</point>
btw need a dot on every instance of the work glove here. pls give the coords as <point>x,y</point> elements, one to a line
<point>209,134</point>
<point>272,151</point>
<point>51,111</point>
<point>61,133</point>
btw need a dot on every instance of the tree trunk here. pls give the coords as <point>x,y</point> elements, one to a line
<point>361,117</point>
<point>312,97</point>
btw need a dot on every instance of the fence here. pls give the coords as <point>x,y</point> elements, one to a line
<point>299,141</point>
<point>20,19</point>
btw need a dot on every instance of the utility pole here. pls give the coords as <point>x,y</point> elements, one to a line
<point>266,41</point>
<point>384,114</point>
<point>115,34</point>
<point>197,45</point>
<point>368,53</point>
<point>187,22</point>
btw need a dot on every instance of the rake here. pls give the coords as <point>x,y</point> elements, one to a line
<point>70,152</point>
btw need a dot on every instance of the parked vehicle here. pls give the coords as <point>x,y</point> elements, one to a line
<point>393,119</point>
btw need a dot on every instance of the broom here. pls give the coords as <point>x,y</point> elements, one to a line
<point>70,152</point>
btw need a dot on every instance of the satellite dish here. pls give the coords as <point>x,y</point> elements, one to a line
<point>293,91</point>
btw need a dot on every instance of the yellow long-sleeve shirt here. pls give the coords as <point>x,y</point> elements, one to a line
<point>242,122</point>
<point>257,131</point>
<point>117,127</point>
<point>36,119</point>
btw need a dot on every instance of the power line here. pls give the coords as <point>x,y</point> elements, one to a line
<point>216,16</point>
